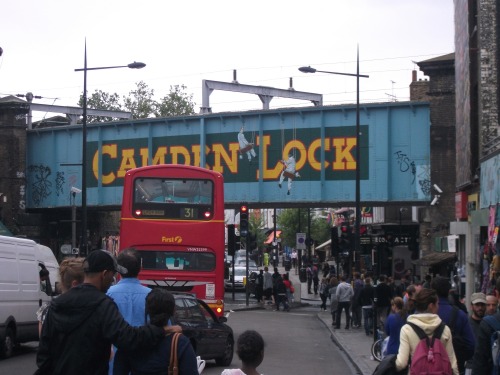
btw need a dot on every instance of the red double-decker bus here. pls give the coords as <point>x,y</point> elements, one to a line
<point>174,215</point>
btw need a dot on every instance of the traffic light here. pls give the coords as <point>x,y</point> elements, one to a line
<point>231,240</point>
<point>243,220</point>
<point>334,235</point>
<point>345,237</point>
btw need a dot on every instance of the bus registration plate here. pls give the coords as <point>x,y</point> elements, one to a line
<point>210,291</point>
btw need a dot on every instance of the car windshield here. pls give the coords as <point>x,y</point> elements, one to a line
<point>251,263</point>
<point>240,271</point>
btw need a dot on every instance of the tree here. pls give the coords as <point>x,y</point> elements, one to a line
<point>104,101</point>
<point>256,225</point>
<point>140,102</point>
<point>175,103</point>
<point>288,222</point>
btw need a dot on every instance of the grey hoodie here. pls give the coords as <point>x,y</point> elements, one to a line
<point>344,292</point>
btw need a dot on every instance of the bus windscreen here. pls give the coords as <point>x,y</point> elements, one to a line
<point>169,198</point>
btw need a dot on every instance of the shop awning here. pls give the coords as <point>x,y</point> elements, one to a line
<point>4,231</point>
<point>435,258</point>
<point>323,245</point>
<point>270,238</point>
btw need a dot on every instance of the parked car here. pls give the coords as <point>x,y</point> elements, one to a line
<point>209,335</point>
<point>241,253</point>
<point>242,262</point>
<point>240,273</point>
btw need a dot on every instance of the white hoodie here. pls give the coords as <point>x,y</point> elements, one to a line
<point>408,339</point>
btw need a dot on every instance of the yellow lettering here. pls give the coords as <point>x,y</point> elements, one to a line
<point>221,154</point>
<point>144,152</point>
<point>195,150</point>
<point>127,163</point>
<point>159,157</point>
<point>269,173</point>
<point>302,151</point>
<point>316,144</point>
<point>110,150</point>
<point>343,154</point>
<point>175,151</point>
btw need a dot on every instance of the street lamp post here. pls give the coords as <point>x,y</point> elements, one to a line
<point>401,210</point>
<point>308,69</point>
<point>134,65</point>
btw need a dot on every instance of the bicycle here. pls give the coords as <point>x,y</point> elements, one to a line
<point>378,346</point>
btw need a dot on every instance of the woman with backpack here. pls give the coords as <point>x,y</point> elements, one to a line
<point>425,330</point>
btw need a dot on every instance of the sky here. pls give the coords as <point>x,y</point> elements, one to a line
<point>184,42</point>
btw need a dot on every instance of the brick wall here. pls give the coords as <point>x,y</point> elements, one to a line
<point>441,97</point>
<point>13,164</point>
<point>488,71</point>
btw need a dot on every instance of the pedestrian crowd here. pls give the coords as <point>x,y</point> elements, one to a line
<point>274,288</point>
<point>95,327</point>
<point>412,310</point>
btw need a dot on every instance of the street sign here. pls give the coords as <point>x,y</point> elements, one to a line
<point>301,241</point>
<point>66,249</point>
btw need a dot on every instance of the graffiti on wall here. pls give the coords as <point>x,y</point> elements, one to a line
<point>22,191</point>
<point>405,164</point>
<point>59,183</point>
<point>41,186</point>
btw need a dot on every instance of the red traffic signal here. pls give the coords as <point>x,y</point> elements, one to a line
<point>243,220</point>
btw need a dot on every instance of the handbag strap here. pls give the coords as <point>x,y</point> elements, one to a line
<point>173,367</point>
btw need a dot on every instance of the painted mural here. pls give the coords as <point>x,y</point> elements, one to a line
<point>277,156</point>
<point>490,182</point>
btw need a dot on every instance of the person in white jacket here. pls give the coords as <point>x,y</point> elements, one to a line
<point>426,304</point>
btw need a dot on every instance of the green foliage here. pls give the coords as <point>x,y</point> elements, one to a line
<point>102,100</point>
<point>175,103</point>
<point>320,230</point>
<point>256,225</point>
<point>295,220</point>
<point>141,103</point>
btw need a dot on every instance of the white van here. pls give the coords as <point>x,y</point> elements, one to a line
<point>21,291</point>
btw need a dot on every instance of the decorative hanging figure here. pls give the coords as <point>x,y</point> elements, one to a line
<point>245,146</point>
<point>288,172</point>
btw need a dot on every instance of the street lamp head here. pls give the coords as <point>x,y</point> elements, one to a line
<point>136,65</point>
<point>307,69</point>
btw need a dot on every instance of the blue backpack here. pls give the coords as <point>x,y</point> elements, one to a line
<point>494,323</point>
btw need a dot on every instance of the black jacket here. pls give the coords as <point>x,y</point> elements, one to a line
<point>482,362</point>
<point>383,294</point>
<point>366,295</point>
<point>79,329</point>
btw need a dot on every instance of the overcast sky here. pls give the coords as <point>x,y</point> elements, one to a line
<point>183,42</point>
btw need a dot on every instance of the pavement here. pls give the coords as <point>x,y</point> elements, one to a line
<point>353,342</point>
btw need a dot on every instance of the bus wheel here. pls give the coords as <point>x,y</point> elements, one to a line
<point>7,348</point>
<point>228,353</point>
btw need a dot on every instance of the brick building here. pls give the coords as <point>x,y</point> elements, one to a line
<point>477,142</point>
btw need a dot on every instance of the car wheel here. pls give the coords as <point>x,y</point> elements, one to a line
<point>8,344</point>
<point>227,358</point>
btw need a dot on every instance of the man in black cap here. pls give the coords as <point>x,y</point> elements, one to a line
<point>82,324</point>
